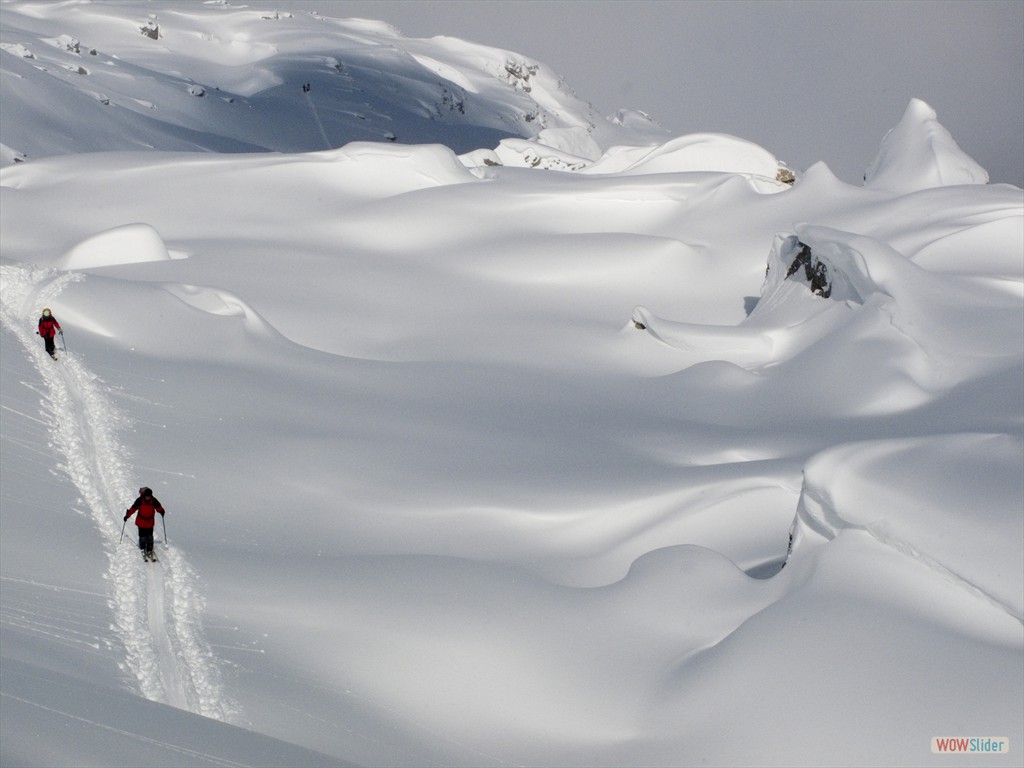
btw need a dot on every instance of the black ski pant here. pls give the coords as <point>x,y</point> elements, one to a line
<point>146,539</point>
<point>51,347</point>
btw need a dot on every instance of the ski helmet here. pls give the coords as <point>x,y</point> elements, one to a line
<point>46,311</point>
<point>144,491</point>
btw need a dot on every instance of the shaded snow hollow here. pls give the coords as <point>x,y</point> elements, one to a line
<point>490,453</point>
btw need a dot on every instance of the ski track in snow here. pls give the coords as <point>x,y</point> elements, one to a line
<point>157,611</point>
<point>150,743</point>
<point>172,682</point>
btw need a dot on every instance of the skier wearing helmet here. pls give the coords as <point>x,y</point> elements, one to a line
<point>147,506</point>
<point>48,328</point>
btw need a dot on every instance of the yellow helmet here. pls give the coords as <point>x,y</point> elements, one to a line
<point>46,310</point>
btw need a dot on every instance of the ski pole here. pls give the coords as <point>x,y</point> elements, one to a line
<point>122,530</point>
<point>164,521</point>
<point>65,346</point>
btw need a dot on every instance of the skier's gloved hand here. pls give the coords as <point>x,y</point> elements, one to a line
<point>127,514</point>
<point>161,513</point>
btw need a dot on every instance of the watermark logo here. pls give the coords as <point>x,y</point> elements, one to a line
<point>970,745</point>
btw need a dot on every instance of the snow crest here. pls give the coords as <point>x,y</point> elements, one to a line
<point>919,153</point>
<point>960,525</point>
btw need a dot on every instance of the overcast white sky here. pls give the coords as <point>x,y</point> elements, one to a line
<point>807,80</point>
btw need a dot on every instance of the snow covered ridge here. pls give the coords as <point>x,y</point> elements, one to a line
<point>223,77</point>
<point>226,78</point>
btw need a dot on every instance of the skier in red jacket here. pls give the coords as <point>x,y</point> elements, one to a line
<point>147,506</point>
<point>48,328</point>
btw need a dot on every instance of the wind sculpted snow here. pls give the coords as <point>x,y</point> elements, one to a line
<point>650,460</point>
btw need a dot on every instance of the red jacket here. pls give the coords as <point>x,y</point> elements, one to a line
<point>48,326</point>
<point>147,507</point>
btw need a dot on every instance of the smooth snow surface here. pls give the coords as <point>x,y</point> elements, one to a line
<point>489,450</point>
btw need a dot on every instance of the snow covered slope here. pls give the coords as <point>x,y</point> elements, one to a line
<point>183,75</point>
<point>470,461</point>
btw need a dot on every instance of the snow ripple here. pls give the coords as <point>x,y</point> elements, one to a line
<point>157,612</point>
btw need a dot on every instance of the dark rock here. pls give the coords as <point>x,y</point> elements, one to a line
<point>815,271</point>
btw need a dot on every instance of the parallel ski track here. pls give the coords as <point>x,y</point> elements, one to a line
<point>157,612</point>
